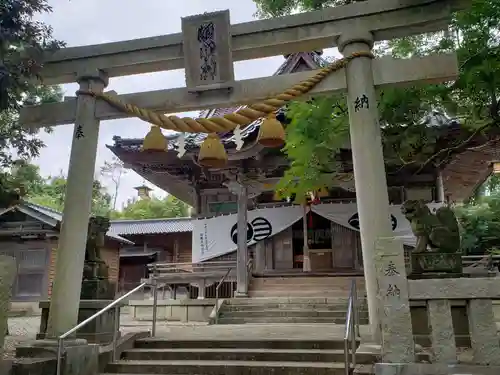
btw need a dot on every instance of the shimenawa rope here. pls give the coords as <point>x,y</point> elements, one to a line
<point>230,121</point>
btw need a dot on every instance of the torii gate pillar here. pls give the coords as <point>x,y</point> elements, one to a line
<point>65,298</point>
<point>368,160</point>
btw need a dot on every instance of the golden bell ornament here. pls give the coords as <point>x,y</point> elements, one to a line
<point>322,192</point>
<point>154,140</point>
<point>271,132</point>
<point>212,153</point>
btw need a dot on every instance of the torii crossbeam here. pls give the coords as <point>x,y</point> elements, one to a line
<point>352,28</point>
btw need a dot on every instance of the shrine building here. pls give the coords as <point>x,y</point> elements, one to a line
<point>276,227</point>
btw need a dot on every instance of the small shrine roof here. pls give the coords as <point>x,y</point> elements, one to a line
<point>151,226</point>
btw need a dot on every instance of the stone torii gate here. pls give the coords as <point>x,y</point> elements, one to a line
<point>352,28</point>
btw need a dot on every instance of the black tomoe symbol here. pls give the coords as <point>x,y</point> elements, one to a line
<point>354,221</point>
<point>394,222</point>
<point>234,233</point>
<point>261,228</point>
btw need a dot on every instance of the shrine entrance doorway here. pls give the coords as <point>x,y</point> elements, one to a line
<point>319,242</point>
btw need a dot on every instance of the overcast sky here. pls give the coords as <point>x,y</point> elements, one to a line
<point>82,22</point>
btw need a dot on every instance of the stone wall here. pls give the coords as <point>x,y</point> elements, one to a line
<point>7,275</point>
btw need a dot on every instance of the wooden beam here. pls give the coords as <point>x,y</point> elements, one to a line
<point>387,72</point>
<point>386,19</point>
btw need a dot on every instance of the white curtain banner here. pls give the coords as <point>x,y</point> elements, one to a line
<point>217,236</point>
<point>347,216</point>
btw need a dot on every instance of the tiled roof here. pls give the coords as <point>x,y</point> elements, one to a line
<point>56,215</point>
<point>151,226</point>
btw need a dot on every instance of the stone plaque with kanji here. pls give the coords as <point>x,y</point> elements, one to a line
<point>207,51</point>
<point>393,302</point>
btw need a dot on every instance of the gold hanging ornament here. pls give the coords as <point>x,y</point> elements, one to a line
<point>271,132</point>
<point>212,153</point>
<point>154,140</point>
<point>322,192</point>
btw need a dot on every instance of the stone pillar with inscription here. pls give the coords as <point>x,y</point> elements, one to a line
<point>67,284</point>
<point>368,160</point>
<point>393,302</point>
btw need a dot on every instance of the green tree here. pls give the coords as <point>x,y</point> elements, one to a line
<point>480,222</point>
<point>54,189</point>
<point>22,41</point>
<point>49,192</point>
<point>153,208</point>
<point>408,139</point>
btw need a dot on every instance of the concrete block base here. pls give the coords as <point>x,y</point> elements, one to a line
<point>99,331</point>
<point>40,358</point>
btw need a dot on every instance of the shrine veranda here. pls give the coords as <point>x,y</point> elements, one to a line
<point>352,28</point>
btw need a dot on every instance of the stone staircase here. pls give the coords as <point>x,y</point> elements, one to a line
<point>296,299</point>
<point>288,310</point>
<point>304,286</point>
<point>230,357</point>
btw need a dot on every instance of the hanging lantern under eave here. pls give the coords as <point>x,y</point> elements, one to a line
<point>271,132</point>
<point>154,140</point>
<point>212,153</point>
<point>496,168</point>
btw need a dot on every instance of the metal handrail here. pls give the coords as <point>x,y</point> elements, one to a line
<point>351,329</point>
<point>60,339</point>
<point>217,288</point>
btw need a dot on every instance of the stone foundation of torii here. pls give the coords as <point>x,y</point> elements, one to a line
<point>352,28</point>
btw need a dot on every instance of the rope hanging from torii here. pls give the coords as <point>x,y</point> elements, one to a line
<point>212,152</point>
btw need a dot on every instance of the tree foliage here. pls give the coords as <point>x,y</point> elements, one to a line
<point>480,222</point>
<point>49,192</point>
<point>407,115</point>
<point>153,208</point>
<point>22,41</point>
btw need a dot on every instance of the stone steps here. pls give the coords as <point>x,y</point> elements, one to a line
<point>288,310</point>
<point>234,357</point>
<point>299,293</point>
<point>240,354</point>
<point>287,307</point>
<point>289,300</point>
<point>225,368</point>
<point>286,344</point>
<point>284,319</point>
<point>326,313</point>
<point>302,287</point>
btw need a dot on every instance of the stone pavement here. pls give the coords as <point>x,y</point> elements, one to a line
<point>24,330</point>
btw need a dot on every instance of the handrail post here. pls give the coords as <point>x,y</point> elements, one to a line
<point>355,307</point>
<point>155,302</point>
<point>59,355</point>
<point>217,295</point>
<point>217,304</point>
<point>116,332</point>
<point>114,304</point>
<point>353,344</point>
